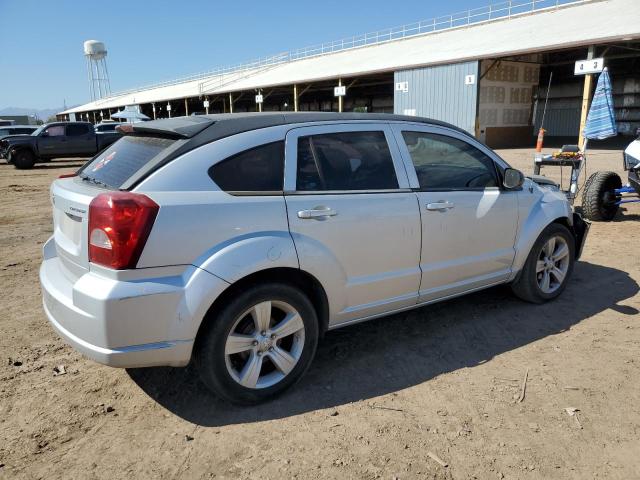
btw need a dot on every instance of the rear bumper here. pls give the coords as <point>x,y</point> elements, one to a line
<point>175,353</point>
<point>136,323</point>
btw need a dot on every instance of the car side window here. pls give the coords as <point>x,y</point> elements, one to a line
<point>448,163</point>
<point>77,129</point>
<point>259,169</point>
<point>345,161</point>
<point>56,131</point>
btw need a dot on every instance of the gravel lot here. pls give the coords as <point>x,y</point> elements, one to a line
<point>394,397</point>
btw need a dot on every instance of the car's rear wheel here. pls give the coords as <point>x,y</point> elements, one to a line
<point>259,344</point>
<point>548,266</point>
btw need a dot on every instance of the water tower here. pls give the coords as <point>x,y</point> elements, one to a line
<point>96,54</point>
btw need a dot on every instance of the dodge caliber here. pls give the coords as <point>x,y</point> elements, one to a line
<point>236,241</point>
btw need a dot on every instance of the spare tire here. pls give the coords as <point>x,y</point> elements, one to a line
<point>599,198</point>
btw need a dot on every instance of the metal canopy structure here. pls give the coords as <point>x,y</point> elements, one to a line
<point>508,29</point>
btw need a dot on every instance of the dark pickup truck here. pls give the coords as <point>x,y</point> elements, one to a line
<point>55,140</point>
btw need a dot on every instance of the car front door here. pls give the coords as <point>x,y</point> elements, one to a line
<point>354,220</point>
<point>52,142</point>
<point>469,222</point>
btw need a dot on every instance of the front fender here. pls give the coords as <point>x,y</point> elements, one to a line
<point>12,149</point>
<point>548,208</point>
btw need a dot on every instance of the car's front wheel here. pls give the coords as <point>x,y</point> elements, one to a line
<point>23,159</point>
<point>548,267</point>
<point>259,343</point>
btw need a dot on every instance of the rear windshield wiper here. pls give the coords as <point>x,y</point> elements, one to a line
<point>87,178</point>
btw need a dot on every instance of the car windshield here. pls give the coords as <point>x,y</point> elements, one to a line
<point>38,130</point>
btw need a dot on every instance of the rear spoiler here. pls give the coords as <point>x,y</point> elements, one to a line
<point>180,127</point>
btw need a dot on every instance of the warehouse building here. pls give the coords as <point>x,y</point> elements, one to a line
<point>490,71</point>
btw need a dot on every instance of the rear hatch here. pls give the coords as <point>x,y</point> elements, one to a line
<point>108,171</point>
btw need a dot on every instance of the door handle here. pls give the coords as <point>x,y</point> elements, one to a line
<point>439,206</point>
<point>317,212</point>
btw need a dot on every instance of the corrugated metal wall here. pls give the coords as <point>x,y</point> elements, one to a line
<point>565,102</point>
<point>440,93</point>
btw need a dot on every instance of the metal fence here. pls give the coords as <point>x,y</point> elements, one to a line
<point>503,10</point>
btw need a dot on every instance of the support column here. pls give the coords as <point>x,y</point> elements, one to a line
<point>340,97</point>
<point>295,97</point>
<point>153,107</point>
<point>186,108</point>
<point>207,107</point>
<point>231,103</point>
<point>586,94</point>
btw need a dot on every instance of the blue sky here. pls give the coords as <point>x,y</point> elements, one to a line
<point>41,61</point>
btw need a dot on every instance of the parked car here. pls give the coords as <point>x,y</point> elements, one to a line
<point>55,140</point>
<point>106,126</point>
<point>8,130</point>
<point>237,241</point>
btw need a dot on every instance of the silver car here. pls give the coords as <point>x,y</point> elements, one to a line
<point>236,241</point>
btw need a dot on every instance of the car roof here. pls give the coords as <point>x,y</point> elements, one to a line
<point>214,127</point>
<point>196,131</point>
<point>19,126</point>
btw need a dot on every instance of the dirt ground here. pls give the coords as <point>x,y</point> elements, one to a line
<point>426,394</point>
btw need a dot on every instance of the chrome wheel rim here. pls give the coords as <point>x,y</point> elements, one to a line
<point>553,264</point>
<point>264,344</point>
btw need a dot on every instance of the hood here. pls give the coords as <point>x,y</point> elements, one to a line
<point>16,138</point>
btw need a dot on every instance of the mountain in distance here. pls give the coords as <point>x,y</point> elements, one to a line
<point>42,113</point>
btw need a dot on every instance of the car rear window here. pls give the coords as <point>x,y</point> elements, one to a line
<point>115,165</point>
<point>260,169</point>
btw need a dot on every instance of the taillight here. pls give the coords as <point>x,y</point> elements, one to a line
<point>68,175</point>
<point>119,225</point>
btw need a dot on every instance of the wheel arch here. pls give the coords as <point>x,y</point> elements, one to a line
<point>549,210</point>
<point>291,276</point>
<point>18,148</point>
<point>522,255</point>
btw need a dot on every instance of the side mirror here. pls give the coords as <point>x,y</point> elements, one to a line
<point>513,178</point>
<point>44,134</point>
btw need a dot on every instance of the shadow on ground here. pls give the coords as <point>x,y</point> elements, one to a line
<point>393,353</point>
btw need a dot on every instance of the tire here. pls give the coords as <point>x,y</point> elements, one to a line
<point>529,285</point>
<point>23,159</point>
<point>223,373</point>
<point>598,197</point>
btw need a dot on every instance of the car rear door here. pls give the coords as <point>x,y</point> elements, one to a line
<point>354,221</point>
<point>469,222</point>
<point>81,139</point>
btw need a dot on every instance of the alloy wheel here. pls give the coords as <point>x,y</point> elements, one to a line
<point>264,344</point>
<point>553,264</point>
